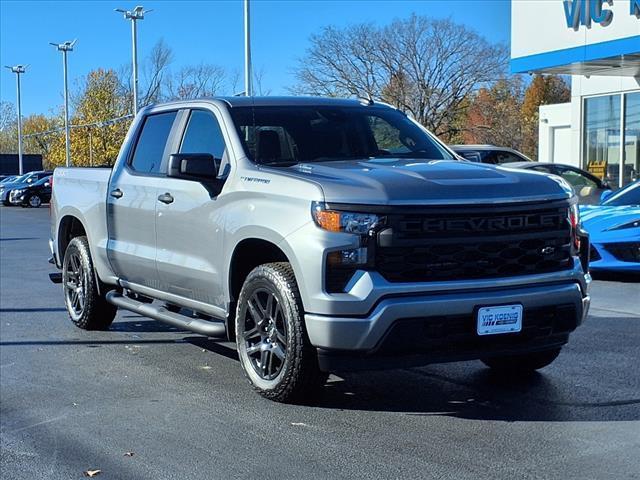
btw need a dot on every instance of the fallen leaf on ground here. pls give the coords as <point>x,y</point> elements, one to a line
<point>129,454</point>
<point>92,473</point>
<point>298,424</point>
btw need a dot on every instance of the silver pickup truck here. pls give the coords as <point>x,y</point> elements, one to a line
<point>322,235</point>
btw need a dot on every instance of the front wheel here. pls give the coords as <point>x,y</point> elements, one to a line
<point>524,363</point>
<point>86,307</point>
<point>273,345</point>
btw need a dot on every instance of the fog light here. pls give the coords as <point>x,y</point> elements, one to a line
<point>353,256</point>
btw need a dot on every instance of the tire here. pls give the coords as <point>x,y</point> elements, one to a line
<point>6,201</point>
<point>274,349</point>
<point>525,363</point>
<point>86,307</point>
<point>34,201</point>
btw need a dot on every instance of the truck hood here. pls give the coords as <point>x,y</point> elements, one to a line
<point>394,181</point>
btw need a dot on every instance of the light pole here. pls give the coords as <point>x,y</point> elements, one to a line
<point>18,70</point>
<point>134,15</point>
<point>248,74</point>
<point>65,48</point>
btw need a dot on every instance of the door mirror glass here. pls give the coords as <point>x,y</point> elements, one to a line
<point>193,166</point>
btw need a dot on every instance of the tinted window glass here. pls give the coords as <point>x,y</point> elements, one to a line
<point>542,169</point>
<point>471,156</point>
<point>324,133</point>
<point>203,135</point>
<point>508,157</point>
<point>627,196</point>
<point>147,157</point>
<point>575,179</point>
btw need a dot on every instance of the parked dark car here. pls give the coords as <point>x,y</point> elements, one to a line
<point>33,195</point>
<point>20,182</point>
<point>489,154</point>
<point>588,187</point>
<point>7,178</point>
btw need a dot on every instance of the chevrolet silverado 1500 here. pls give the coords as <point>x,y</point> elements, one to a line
<point>321,235</point>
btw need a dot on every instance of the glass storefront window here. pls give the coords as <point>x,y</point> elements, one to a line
<point>602,137</point>
<point>631,170</point>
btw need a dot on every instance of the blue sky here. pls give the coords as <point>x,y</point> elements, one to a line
<point>200,31</point>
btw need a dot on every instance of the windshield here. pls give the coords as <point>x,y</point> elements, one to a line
<point>629,195</point>
<point>21,179</point>
<point>292,134</point>
<point>7,180</point>
<point>42,181</point>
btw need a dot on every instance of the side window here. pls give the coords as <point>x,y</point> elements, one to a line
<point>542,169</point>
<point>471,156</point>
<point>203,135</point>
<point>147,156</point>
<point>575,179</point>
<point>507,157</point>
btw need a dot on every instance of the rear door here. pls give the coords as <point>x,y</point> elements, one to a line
<point>132,201</point>
<point>190,227</point>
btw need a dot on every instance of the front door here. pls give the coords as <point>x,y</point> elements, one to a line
<point>189,226</point>
<point>131,203</point>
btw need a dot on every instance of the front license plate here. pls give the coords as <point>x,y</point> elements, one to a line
<point>502,319</point>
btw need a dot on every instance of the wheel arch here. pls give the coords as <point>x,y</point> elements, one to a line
<point>248,254</point>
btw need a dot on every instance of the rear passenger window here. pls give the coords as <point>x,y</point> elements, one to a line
<point>147,156</point>
<point>203,135</point>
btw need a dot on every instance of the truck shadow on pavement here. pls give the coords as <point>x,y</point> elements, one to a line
<point>467,391</point>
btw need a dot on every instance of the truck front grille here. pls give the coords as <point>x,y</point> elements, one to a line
<point>450,245</point>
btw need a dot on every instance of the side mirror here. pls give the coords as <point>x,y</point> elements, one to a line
<point>606,194</point>
<point>193,166</point>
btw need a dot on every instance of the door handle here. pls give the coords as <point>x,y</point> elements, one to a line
<point>117,193</point>
<point>166,198</point>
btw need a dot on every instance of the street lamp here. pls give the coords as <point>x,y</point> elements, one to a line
<point>248,74</point>
<point>134,15</point>
<point>19,69</point>
<point>65,48</point>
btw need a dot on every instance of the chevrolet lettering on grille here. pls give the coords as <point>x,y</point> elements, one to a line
<point>491,224</point>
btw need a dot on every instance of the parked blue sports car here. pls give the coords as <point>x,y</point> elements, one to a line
<point>614,230</point>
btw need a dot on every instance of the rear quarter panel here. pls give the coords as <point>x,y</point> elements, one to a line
<point>82,193</point>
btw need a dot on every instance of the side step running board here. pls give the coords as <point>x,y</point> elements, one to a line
<point>203,327</point>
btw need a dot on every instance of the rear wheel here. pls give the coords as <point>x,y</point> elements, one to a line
<point>86,307</point>
<point>34,201</point>
<point>527,362</point>
<point>273,345</point>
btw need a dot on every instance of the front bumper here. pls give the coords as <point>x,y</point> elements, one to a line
<point>440,327</point>
<point>605,260</point>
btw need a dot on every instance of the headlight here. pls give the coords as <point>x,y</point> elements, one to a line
<point>347,222</point>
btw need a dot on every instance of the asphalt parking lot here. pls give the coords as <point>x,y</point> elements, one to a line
<point>72,400</point>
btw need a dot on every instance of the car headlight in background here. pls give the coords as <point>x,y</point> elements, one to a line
<point>347,222</point>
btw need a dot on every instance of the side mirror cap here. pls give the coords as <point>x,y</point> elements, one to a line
<point>604,195</point>
<point>193,166</point>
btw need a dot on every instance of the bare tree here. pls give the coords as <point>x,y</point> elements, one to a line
<point>7,115</point>
<point>155,69</point>
<point>423,66</point>
<point>258,82</point>
<point>190,82</point>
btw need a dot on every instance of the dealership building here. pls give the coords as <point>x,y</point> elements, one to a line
<point>597,42</point>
